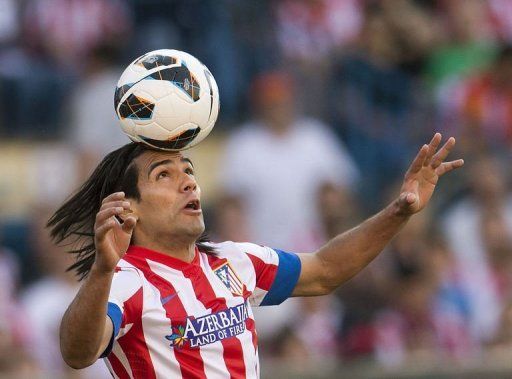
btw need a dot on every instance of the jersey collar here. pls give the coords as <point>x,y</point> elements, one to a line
<point>135,251</point>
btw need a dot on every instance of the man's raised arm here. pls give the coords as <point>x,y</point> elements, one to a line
<point>86,330</point>
<point>347,254</point>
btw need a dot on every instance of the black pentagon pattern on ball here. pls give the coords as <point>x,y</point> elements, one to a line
<point>176,143</point>
<point>120,91</point>
<point>181,77</point>
<point>156,60</point>
<point>136,108</point>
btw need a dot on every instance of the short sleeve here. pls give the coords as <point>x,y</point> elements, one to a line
<point>277,273</point>
<point>125,284</point>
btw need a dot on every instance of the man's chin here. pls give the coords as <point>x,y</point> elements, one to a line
<point>195,230</point>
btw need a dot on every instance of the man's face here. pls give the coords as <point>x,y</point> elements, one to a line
<point>169,208</point>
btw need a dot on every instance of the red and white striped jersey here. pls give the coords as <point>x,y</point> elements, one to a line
<point>174,319</point>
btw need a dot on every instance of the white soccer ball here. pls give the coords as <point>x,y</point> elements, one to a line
<point>167,99</point>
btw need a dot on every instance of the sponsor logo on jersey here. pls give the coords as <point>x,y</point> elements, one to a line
<point>210,328</point>
<point>230,279</point>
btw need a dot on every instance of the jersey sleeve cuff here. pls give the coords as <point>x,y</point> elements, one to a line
<point>287,275</point>
<point>115,315</point>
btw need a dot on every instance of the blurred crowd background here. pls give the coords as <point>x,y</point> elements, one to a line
<point>323,105</point>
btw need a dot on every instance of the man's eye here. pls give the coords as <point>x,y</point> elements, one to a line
<point>163,174</point>
<point>189,171</point>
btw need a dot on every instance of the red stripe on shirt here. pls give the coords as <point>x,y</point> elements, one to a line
<point>265,272</point>
<point>251,326</point>
<point>118,367</point>
<point>233,353</point>
<point>133,343</point>
<point>190,360</point>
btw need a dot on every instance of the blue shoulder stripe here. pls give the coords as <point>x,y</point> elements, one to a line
<point>286,278</point>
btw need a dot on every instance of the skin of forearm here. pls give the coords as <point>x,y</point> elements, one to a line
<point>83,325</point>
<point>347,254</point>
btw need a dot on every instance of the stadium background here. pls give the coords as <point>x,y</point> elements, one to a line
<point>367,82</point>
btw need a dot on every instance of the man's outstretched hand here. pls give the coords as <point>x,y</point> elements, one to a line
<point>421,178</point>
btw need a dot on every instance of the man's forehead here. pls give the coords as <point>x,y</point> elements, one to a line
<point>146,159</point>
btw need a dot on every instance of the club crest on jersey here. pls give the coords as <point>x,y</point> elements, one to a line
<point>230,279</point>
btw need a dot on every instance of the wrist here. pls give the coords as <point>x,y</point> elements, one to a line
<point>98,271</point>
<point>398,211</point>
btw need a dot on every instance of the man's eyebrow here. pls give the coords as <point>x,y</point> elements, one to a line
<point>184,159</point>
<point>164,162</point>
<point>156,164</point>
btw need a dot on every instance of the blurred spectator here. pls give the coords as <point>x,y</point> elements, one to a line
<point>476,242</point>
<point>255,40</point>
<point>230,220</point>
<point>9,25</point>
<point>65,31</point>
<point>307,32</point>
<point>318,327</point>
<point>486,107</point>
<point>467,41</point>
<point>501,17</point>
<point>427,317</point>
<point>275,166</point>
<point>377,105</point>
<point>45,302</point>
<point>337,209</point>
<point>93,126</point>
<point>14,335</point>
<point>31,95</point>
<point>502,343</point>
<point>312,338</point>
<point>366,295</point>
<point>291,350</point>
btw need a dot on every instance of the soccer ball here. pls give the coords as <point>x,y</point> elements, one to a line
<point>167,99</point>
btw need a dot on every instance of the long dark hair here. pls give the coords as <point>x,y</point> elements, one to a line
<point>73,222</point>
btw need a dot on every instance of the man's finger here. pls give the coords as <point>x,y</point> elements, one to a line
<point>449,166</point>
<point>113,197</point>
<point>105,214</point>
<point>128,224</point>
<point>443,152</point>
<point>113,204</point>
<point>101,231</point>
<point>417,163</point>
<point>432,147</point>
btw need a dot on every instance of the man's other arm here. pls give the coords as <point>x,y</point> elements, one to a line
<point>347,254</point>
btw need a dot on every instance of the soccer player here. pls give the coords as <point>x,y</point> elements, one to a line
<point>160,302</point>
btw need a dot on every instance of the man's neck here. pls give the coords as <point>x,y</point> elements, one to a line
<point>181,251</point>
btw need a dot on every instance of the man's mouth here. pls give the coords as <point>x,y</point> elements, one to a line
<point>194,205</point>
<point>193,208</point>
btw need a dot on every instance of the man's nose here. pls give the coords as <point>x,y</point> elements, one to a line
<point>189,184</point>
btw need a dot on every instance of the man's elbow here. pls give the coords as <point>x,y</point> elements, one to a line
<point>326,287</point>
<point>78,361</point>
<point>78,364</point>
<point>329,278</point>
